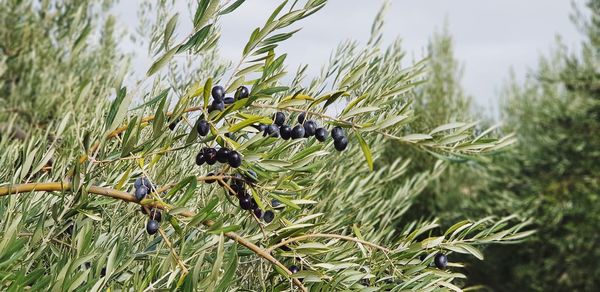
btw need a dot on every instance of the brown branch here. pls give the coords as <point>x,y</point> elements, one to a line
<point>116,194</point>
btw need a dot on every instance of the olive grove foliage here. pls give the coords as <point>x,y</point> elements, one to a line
<point>340,216</point>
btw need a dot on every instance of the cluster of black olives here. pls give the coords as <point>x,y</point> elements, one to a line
<point>237,187</point>
<point>303,129</point>
<point>211,155</point>
<point>142,188</point>
<point>220,101</point>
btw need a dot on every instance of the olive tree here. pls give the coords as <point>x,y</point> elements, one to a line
<point>229,178</point>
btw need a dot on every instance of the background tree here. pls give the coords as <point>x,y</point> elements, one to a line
<point>334,220</point>
<point>552,174</point>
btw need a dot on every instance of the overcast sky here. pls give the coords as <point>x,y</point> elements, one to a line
<point>490,37</point>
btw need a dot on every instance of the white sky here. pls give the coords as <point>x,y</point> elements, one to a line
<point>490,37</point>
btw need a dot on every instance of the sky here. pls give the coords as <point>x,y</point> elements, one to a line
<point>491,38</point>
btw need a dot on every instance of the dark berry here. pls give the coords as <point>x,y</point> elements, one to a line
<point>235,159</point>
<point>245,203</point>
<point>260,127</point>
<point>254,204</point>
<point>140,193</point>
<point>423,257</point>
<point>337,133</point>
<point>309,128</point>
<point>321,134</point>
<point>294,269</point>
<point>272,131</point>
<point>228,100</point>
<point>268,216</point>
<point>298,132</point>
<point>242,92</point>
<point>223,154</point>
<point>152,226</point>
<point>301,118</point>
<point>238,190</point>
<point>440,261</point>
<point>340,144</point>
<point>146,182</point>
<point>276,204</point>
<point>251,176</point>
<point>174,123</point>
<point>203,128</point>
<point>138,182</point>
<point>210,155</point>
<point>218,93</point>
<point>216,106</point>
<point>200,158</point>
<point>155,215</point>
<point>286,132</point>
<point>257,212</point>
<point>237,179</point>
<point>279,119</point>
<point>212,180</point>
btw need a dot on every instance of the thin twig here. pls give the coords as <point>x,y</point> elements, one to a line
<point>173,252</point>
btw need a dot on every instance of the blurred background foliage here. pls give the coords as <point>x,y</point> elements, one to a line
<point>551,175</point>
<point>61,72</point>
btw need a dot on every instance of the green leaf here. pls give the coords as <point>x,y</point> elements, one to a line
<point>154,100</point>
<point>227,278</point>
<point>245,123</point>
<point>120,106</point>
<point>159,120</point>
<point>273,90</point>
<point>249,69</point>
<point>432,242</point>
<point>279,38</point>
<point>365,149</point>
<point>162,61</point>
<point>446,127</point>
<point>285,201</point>
<point>196,39</point>
<point>334,97</point>
<point>230,9</point>
<point>207,91</point>
<point>391,121</point>
<point>216,266</point>
<point>416,137</point>
<point>169,29</point>
<point>191,182</point>
<point>360,110</point>
<point>472,250</point>
<point>206,10</point>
